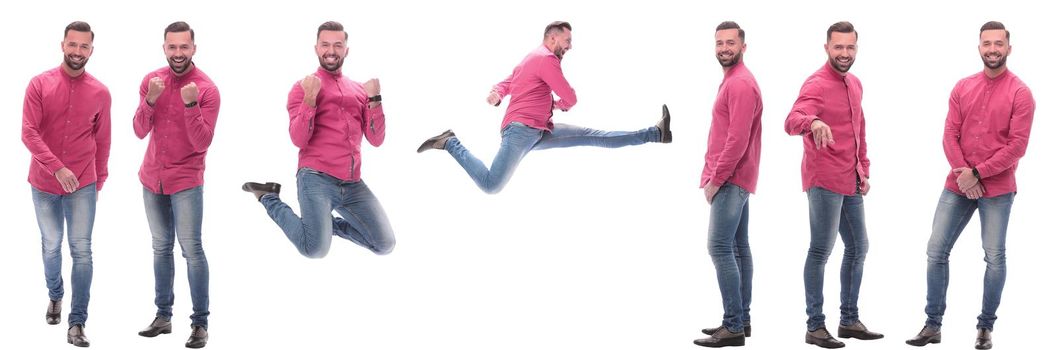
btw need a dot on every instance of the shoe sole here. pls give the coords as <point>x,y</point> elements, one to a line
<point>856,335</point>
<point>931,341</point>
<point>152,335</point>
<point>810,340</point>
<point>667,117</point>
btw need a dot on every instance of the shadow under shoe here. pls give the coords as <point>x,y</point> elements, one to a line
<point>927,335</point>
<point>158,326</point>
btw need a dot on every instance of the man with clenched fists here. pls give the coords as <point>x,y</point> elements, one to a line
<point>329,116</point>
<point>178,108</point>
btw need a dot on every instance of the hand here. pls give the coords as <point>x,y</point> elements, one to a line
<point>67,179</point>
<point>310,85</point>
<point>494,98</point>
<point>823,135</point>
<point>710,192</point>
<point>864,186</point>
<point>372,87</point>
<point>154,89</point>
<point>189,93</point>
<point>966,179</point>
<point>975,192</point>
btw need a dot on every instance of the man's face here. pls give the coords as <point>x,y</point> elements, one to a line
<point>841,48</point>
<point>179,48</point>
<point>76,49</point>
<point>560,42</point>
<point>994,48</point>
<point>331,49</point>
<point>728,47</point>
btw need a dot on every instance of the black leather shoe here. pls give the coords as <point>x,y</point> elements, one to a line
<point>75,335</point>
<point>747,330</point>
<point>983,339</point>
<point>259,189</point>
<point>665,125</point>
<point>436,142</point>
<point>822,338</point>
<point>857,331</point>
<point>198,339</point>
<point>158,326</point>
<point>722,337</point>
<point>54,313</point>
<point>927,335</point>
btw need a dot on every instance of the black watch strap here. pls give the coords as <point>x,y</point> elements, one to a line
<point>976,173</point>
<point>192,104</point>
<point>375,98</point>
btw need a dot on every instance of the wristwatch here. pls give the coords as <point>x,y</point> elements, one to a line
<point>375,98</point>
<point>976,173</point>
<point>192,104</point>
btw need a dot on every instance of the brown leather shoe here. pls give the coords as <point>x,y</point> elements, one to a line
<point>436,142</point>
<point>75,335</point>
<point>983,339</point>
<point>747,329</point>
<point>54,313</point>
<point>722,337</point>
<point>158,326</point>
<point>822,338</point>
<point>927,335</point>
<point>198,339</point>
<point>261,189</point>
<point>665,125</point>
<point>858,331</point>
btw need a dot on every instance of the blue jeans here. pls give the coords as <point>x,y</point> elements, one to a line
<point>728,244</point>
<point>78,211</point>
<point>952,214</point>
<point>178,217</point>
<point>831,213</point>
<point>362,221</point>
<point>519,139</point>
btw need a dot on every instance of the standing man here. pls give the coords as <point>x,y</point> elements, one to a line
<point>178,108</point>
<point>329,116</point>
<point>732,166</point>
<point>66,127</point>
<point>527,124</point>
<point>836,175</point>
<point>987,131</point>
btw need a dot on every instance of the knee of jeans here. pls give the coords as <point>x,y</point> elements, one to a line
<point>937,255</point>
<point>193,252</point>
<point>995,257</point>
<point>858,251</point>
<point>313,252</point>
<point>81,253</point>
<point>492,187</point>
<point>819,253</point>
<point>384,247</point>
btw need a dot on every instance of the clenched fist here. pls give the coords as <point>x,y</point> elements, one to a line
<point>494,98</point>
<point>372,88</point>
<point>310,85</point>
<point>154,89</point>
<point>189,93</point>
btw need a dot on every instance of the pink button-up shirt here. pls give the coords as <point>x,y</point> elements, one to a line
<point>988,125</point>
<point>66,124</point>
<point>837,101</point>
<point>329,134</point>
<point>176,154</point>
<point>530,86</point>
<point>734,139</point>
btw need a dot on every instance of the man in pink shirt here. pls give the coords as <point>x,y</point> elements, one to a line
<point>178,108</point>
<point>732,165</point>
<point>988,124</point>
<point>527,125</point>
<point>66,127</point>
<point>836,175</point>
<point>329,116</point>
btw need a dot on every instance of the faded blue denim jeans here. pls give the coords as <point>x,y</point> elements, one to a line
<point>77,211</point>
<point>831,213</point>
<point>728,245</point>
<point>519,139</point>
<point>178,217</point>
<point>362,221</point>
<point>952,215</point>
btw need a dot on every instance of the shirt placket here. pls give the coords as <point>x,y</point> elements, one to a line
<point>855,133</point>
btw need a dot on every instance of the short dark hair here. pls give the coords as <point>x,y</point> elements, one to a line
<point>732,25</point>
<point>332,26</point>
<point>841,27</point>
<point>79,27</point>
<point>556,27</point>
<point>179,27</point>
<point>994,25</point>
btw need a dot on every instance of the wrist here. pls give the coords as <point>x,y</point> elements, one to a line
<point>976,173</point>
<point>375,98</point>
<point>190,104</point>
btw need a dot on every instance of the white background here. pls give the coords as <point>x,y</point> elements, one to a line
<point>586,248</point>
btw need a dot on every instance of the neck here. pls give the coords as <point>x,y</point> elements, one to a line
<point>992,73</point>
<point>71,72</point>
<point>188,70</point>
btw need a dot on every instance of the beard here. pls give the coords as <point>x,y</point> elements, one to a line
<point>71,61</point>
<point>728,62</point>
<point>994,65</point>
<point>179,67</point>
<point>331,66</point>
<point>841,67</point>
<point>560,52</point>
